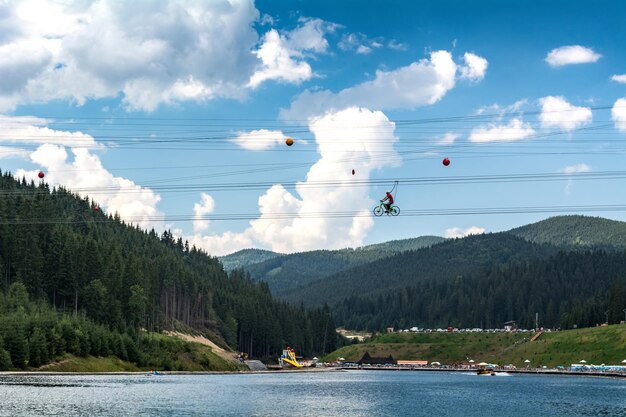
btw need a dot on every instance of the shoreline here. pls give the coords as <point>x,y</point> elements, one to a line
<point>164,373</point>
<point>610,374</point>
<point>620,375</point>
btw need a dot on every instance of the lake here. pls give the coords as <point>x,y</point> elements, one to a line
<point>349,393</point>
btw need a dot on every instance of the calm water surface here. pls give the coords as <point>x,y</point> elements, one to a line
<point>352,393</point>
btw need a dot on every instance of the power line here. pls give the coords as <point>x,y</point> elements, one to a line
<point>349,182</point>
<point>366,212</point>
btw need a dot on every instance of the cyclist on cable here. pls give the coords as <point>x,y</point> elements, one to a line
<point>387,205</point>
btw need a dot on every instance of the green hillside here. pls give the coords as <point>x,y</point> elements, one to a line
<point>597,345</point>
<point>402,245</point>
<point>245,257</point>
<point>478,281</point>
<point>452,258</point>
<point>283,273</point>
<point>79,281</point>
<point>575,231</point>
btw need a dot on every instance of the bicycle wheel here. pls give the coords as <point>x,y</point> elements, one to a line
<point>395,210</point>
<point>378,211</point>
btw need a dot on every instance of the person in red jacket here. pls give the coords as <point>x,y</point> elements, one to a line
<point>389,198</point>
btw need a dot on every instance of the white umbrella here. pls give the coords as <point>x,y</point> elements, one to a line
<point>583,361</point>
<point>483,364</point>
<point>624,361</point>
<point>471,361</point>
<point>435,363</point>
<point>526,361</point>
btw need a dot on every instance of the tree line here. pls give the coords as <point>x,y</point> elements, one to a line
<point>83,263</point>
<point>568,289</point>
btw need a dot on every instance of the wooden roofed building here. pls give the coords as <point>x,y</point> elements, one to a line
<point>367,359</point>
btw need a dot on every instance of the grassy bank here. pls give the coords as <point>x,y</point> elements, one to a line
<point>595,345</point>
<point>157,351</point>
<point>72,363</point>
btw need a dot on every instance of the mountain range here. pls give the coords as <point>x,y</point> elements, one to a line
<point>357,282</point>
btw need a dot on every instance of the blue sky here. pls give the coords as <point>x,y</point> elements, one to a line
<point>174,114</point>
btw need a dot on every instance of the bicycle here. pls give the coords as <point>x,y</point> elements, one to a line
<point>380,209</point>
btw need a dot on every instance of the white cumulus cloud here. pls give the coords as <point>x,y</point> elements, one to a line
<point>204,207</point>
<point>33,130</point>
<point>80,170</point>
<point>557,112</point>
<point>575,169</point>
<point>148,53</point>
<point>279,62</point>
<point>455,232</point>
<point>292,221</point>
<point>618,114</point>
<point>421,83</point>
<point>84,174</point>
<point>447,138</point>
<point>283,54</point>
<point>571,54</point>
<point>257,140</point>
<point>475,67</point>
<point>620,78</point>
<point>514,130</point>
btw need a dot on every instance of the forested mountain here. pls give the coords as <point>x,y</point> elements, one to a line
<point>286,272</point>
<point>566,289</point>
<point>246,257</point>
<point>575,231</point>
<point>70,255</point>
<point>450,259</point>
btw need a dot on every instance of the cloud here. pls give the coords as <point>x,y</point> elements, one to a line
<point>618,114</point>
<point>279,62</point>
<point>206,206</point>
<point>398,46</point>
<point>149,53</point>
<point>81,172</point>
<point>474,69</point>
<point>283,54</point>
<point>359,43</point>
<point>7,152</point>
<point>572,54</point>
<point>257,140</point>
<point>502,111</point>
<point>85,175</point>
<point>457,232</point>
<point>516,129</point>
<point>310,35</point>
<point>32,130</point>
<point>619,78</point>
<point>557,112</point>
<point>224,244</point>
<point>302,220</point>
<point>448,138</point>
<point>575,169</point>
<point>418,84</point>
